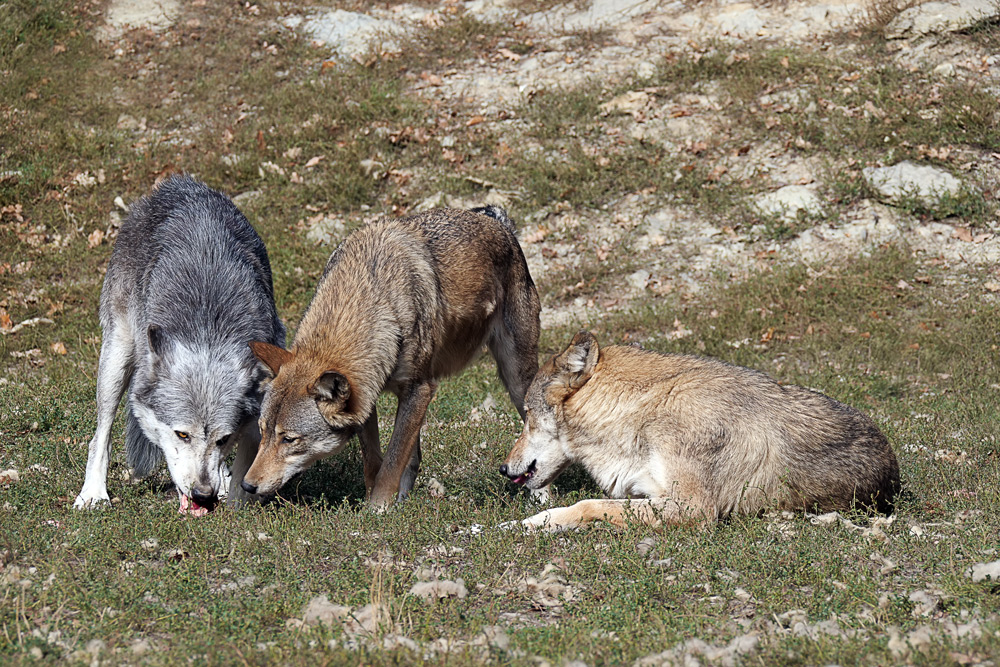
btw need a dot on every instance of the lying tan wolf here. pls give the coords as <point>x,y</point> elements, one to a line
<point>693,439</point>
<point>402,303</point>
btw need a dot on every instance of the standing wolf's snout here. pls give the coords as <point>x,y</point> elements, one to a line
<point>503,469</point>
<point>204,498</point>
<point>248,487</point>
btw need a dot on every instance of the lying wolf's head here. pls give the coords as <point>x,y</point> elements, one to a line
<point>194,400</point>
<point>542,450</point>
<point>308,413</point>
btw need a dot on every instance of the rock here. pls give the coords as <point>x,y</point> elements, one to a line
<point>320,611</point>
<point>740,20</point>
<point>638,280</point>
<point>786,202</point>
<point>939,17</point>
<point>437,589</point>
<point>156,15</point>
<point>627,103</point>
<point>327,231</point>
<point>597,14</point>
<point>349,34</point>
<point>907,180</point>
<point>985,572</point>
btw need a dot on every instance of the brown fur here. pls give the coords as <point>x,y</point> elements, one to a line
<point>695,438</point>
<point>402,303</point>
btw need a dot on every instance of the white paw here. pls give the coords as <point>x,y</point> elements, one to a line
<point>88,500</point>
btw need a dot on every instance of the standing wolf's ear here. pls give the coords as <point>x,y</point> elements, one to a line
<point>576,363</point>
<point>156,339</point>
<point>271,356</point>
<point>331,391</point>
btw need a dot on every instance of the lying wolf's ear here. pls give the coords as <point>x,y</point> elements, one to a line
<point>576,363</point>
<point>331,392</point>
<point>156,339</point>
<point>271,356</point>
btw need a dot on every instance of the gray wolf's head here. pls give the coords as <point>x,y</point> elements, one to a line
<point>542,451</point>
<point>196,398</point>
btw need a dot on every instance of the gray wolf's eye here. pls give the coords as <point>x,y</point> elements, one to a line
<point>221,442</point>
<point>289,439</point>
<point>182,435</point>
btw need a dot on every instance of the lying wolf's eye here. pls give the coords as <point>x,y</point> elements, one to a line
<point>289,439</point>
<point>222,441</point>
<point>182,435</point>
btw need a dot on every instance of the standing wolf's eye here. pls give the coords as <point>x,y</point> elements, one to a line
<point>289,439</point>
<point>182,435</point>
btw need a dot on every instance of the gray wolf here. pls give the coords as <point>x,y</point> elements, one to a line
<point>401,304</point>
<point>691,439</point>
<point>188,286</point>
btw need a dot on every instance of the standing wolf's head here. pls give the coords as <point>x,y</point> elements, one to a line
<point>195,399</point>
<point>542,451</point>
<point>308,412</point>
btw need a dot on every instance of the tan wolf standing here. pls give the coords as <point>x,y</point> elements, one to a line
<point>697,439</point>
<point>402,303</point>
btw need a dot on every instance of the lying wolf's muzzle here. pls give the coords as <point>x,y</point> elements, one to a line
<point>518,478</point>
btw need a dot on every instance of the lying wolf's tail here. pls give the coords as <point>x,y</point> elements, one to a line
<point>141,455</point>
<point>497,213</point>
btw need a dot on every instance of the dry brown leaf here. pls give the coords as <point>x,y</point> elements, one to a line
<point>58,347</point>
<point>313,161</point>
<point>992,286</point>
<point>535,236</point>
<point>6,324</point>
<point>432,79</point>
<point>95,238</point>
<point>475,120</point>
<point>962,234</point>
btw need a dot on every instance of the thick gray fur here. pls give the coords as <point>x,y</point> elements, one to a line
<point>188,286</point>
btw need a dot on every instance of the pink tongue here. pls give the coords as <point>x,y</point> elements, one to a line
<point>191,507</point>
<point>520,479</point>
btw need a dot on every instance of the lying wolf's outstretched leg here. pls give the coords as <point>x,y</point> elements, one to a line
<point>413,402</point>
<point>114,371</point>
<point>651,512</point>
<point>371,450</point>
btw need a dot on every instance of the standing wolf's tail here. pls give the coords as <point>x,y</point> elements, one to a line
<point>141,455</point>
<point>497,213</point>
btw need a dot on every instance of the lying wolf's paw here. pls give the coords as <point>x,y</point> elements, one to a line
<point>90,500</point>
<point>547,521</point>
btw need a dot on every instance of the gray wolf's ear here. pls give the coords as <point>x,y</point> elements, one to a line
<point>331,391</point>
<point>576,363</point>
<point>156,339</point>
<point>271,356</point>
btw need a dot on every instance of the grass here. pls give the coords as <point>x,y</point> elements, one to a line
<point>154,587</point>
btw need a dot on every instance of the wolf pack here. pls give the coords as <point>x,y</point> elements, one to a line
<point>191,332</point>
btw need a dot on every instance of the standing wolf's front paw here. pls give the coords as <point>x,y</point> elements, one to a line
<point>90,499</point>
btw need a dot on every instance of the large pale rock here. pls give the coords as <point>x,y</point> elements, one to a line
<point>156,15</point>
<point>939,17</point>
<point>349,34</point>
<point>740,20</point>
<point>868,226</point>
<point>985,572</point>
<point>907,180</point>
<point>786,202</point>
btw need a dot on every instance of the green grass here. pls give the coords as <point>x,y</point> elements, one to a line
<point>921,360</point>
